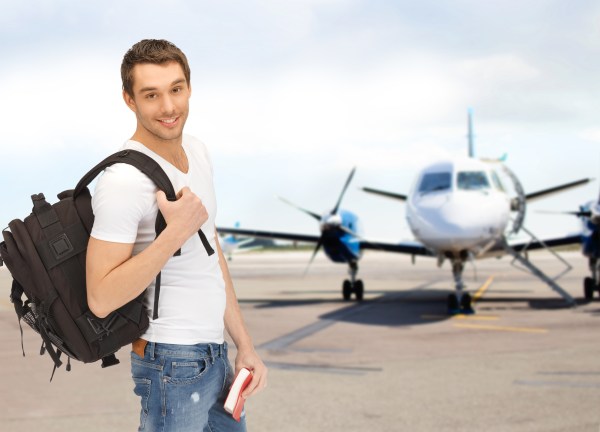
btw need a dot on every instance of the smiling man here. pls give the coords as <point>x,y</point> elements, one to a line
<point>179,366</point>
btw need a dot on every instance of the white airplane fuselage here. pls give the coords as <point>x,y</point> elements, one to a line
<point>458,206</point>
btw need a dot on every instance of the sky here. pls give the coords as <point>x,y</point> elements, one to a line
<point>288,96</point>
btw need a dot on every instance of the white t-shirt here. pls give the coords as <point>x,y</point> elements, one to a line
<point>192,293</point>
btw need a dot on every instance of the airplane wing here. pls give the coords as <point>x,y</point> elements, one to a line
<point>542,244</point>
<point>411,248</point>
<point>498,250</point>
<point>271,235</point>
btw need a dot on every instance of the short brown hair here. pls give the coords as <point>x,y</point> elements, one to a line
<point>155,51</point>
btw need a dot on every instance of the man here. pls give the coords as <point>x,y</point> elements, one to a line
<point>179,366</point>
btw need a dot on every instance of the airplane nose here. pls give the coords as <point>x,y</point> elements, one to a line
<point>460,221</point>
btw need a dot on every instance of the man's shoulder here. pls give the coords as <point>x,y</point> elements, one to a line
<point>125,178</point>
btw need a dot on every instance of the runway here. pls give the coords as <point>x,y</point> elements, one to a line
<point>394,362</point>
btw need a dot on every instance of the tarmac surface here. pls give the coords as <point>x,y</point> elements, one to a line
<point>394,362</point>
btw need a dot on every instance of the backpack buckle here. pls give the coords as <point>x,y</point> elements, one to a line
<point>100,327</point>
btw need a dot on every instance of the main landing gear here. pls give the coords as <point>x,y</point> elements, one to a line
<point>353,285</point>
<point>459,302</point>
<point>590,284</point>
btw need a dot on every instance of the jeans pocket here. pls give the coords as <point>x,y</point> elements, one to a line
<point>142,389</point>
<point>185,372</point>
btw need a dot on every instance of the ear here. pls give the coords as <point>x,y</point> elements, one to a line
<point>129,101</point>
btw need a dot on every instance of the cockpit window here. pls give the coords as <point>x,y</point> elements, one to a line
<point>472,180</point>
<point>435,182</point>
<point>497,182</point>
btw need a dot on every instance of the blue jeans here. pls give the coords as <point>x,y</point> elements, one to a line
<point>183,388</point>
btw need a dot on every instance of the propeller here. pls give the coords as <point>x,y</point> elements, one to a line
<point>589,211</point>
<point>339,201</point>
<point>581,213</point>
<point>328,220</point>
<point>308,212</point>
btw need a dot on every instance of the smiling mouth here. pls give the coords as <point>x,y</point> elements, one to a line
<point>169,122</point>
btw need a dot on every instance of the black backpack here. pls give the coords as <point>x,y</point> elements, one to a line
<point>46,255</point>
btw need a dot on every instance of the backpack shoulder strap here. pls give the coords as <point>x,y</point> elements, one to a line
<point>141,161</point>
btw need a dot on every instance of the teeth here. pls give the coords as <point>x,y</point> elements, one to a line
<point>169,121</point>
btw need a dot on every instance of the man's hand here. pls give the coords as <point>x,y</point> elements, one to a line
<point>249,359</point>
<point>184,216</point>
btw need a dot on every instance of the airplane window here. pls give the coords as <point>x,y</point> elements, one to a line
<point>472,180</point>
<point>497,182</point>
<point>435,182</point>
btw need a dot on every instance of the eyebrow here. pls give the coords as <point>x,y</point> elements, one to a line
<point>174,83</point>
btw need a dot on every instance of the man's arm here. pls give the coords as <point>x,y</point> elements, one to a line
<point>114,277</point>
<point>234,323</point>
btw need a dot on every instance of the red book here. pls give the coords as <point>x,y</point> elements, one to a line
<point>235,402</point>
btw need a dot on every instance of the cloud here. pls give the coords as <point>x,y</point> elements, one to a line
<point>51,102</point>
<point>319,110</point>
<point>592,134</point>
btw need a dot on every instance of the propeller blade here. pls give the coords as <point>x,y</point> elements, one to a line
<point>308,212</point>
<point>573,213</point>
<point>348,231</point>
<point>337,206</point>
<point>312,258</point>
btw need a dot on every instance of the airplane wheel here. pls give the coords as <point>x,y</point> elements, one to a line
<point>466,304</point>
<point>452,304</point>
<point>588,288</point>
<point>347,289</point>
<point>359,289</point>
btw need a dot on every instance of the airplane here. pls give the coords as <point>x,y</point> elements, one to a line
<point>458,210</point>
<point>230,244</point>
<point>589,214</point>
<point>340,237</point>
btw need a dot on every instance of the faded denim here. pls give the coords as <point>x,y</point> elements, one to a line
<point>182,388</point>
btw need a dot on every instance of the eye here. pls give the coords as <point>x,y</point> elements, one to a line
<point>177,90</point>
<point>151,96</point>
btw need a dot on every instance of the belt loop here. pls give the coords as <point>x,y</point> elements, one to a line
<point>151,349</point>
<point>222,349</point>
<point>211,353</point>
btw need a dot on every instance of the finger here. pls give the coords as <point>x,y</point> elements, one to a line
<point>161,198</point>
<point>184,191</point>
<point>251,387</point>
<point>248,390</point>
<point>256,385</point>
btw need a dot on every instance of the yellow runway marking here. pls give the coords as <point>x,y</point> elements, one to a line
<point>500,328</point>
<point>476,317</point>
<point>482,289</point>
<point>477,296</point>
<point>462,317</point>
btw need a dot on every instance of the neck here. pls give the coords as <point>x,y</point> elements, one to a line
<point>171,150</point>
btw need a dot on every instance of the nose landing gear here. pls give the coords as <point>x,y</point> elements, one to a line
<point>353,285</point>
<point>459,302</point>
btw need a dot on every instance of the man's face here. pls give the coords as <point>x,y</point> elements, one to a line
<point>160,102</point>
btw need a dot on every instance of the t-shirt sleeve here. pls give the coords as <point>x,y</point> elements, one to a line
<point>122,197</point>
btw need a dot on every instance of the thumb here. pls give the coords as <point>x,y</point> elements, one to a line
<point>161,198</point>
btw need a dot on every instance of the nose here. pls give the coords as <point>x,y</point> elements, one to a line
<point>168,105</point>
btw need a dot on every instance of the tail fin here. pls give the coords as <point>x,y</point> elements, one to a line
<point>470,135</point>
